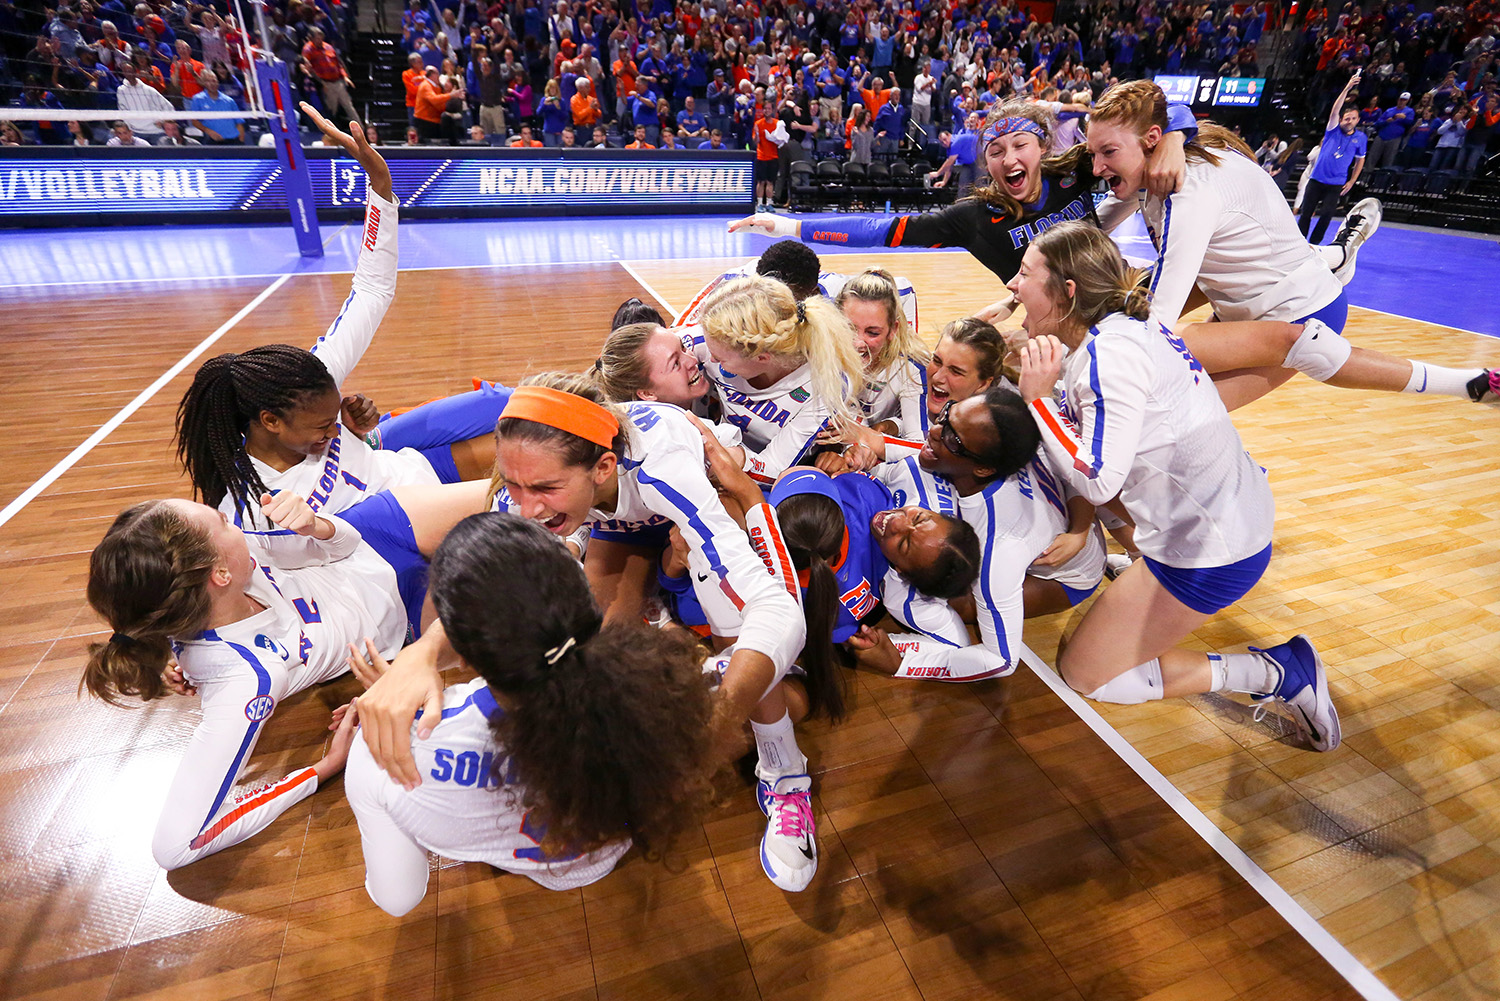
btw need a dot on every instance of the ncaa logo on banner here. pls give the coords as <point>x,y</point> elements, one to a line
<point>259,708</point>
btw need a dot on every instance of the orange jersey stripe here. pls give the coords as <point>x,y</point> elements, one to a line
<point>900,231</point>
<point>783,559</point>
<point>255,802</point>
<point>1050,421</point>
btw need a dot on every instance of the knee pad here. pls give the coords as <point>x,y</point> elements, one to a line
<point>1319,352</point>
<point>1141,683</point>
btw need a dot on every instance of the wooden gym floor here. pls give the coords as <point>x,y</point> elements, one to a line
<point>977,841</point>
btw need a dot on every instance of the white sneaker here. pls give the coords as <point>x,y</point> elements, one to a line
<point>789,849</point>
<point>1358,226</point>
<point>1116,564</point>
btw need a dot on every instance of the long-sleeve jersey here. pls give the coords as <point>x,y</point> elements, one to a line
<point>1229,232</point>
<point>1016,519</point>
<point>1147,424</point>
<point>349,470</point>
<point>469,807</point>
<point>898,394</point>
<point>662,480</point>
<point>319,597</point>
<point>777,424</point>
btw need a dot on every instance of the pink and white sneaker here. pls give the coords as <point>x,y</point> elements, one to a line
<point>789,849</point>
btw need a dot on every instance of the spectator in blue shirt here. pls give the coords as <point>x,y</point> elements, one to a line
<point>690,124</point>
<point>885,50</point>
<point>1340,160</point>
<point>1390,128</point>
<point>963,157</point>
<point>715,141</point>
<point>218,131</point>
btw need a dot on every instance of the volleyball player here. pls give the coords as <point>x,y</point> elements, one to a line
<point>577,738</point>
<point>1147,425</point>
<point>1229,233</point>
<point>268,419</point>
<point>251,619</point>
<point>894,400</point>
<point>565,460</point>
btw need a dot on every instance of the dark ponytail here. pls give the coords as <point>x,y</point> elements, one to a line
<point>147,579</point>
<point>608,727</point>
<point>813,527</point>
<point>227,394</point>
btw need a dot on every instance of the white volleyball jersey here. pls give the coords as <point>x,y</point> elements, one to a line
<point>777,424</point>
<point>830,283</point>
<point>1147,424</point>
<point>349,470</point>
<point>1229,232</point>
<point>1016,519</point>
<point>319,597</point>
<point>898,394</point>
<point>663,480</point>
<point>469,807</point>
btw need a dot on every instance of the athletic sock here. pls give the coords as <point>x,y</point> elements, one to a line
<point>1427,378</point>
<point>1249,673</point>
<point>776,744</point>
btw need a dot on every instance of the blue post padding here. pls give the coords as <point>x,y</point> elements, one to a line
<point>280,99</point>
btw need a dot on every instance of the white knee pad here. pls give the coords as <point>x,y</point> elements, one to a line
<point>1319,352</point>
<point>1141,683</point>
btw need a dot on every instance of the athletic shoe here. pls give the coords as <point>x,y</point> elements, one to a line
<point>789,849</point>
<point>1116,564</point>
<point>1359,225</point>
<point>1304,689</point>
<point>1485,387</point>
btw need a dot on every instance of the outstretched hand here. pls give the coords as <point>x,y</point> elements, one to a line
<point>356,145</point>
<point>360,413</point>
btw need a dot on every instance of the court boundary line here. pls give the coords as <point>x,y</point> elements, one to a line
<point>647,286</point>
<point>1333,952</point>
<point>1435,323</point>
<point>104,430</point>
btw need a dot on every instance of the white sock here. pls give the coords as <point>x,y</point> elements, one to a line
<point>1427,378</point>
<point>1250,673</point>
<point>777,745</point>
<point>1333,255</point>
<point>1141,683</point>
<point>1319,352</point>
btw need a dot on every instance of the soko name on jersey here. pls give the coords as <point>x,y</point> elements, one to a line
<point>469,768</point>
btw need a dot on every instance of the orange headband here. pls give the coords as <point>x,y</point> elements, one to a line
<point>563,411</point>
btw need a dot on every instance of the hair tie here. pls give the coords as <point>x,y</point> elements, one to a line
<point>1005,126</point>
<point>801,311</point>
<point>558,652</point>
<point>564,411</point>
<point>122,639</point>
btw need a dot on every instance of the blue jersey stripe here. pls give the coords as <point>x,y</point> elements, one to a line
<point>911,595</point>
<point>922,377</point>
<point>1096,461</point>
<point>687,512</point>
<point>916,476</point>
<point>984,579</point>
<point>262,689</point>
<point>1161,248</point>
<point>337,320</point>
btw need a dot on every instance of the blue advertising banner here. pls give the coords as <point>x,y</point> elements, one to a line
<point>66,186</point>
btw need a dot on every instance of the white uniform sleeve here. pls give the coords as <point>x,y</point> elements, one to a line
<point>287,550</point>
<point>395,866</point>
<point>1189,219</point>
<point>203,814</point>
<point>344,342</point>
<point>1095,458</point>
<point>926,659</point>
<point>1114,211</point>
<point>913,403</point>
<point>932,617</point>
<point>783,451</point>
<point>899,448</point>
<point>998,596</point>
<point>673,484</point>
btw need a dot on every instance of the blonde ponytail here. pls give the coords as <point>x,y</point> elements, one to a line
<point>758,315</point>
<point>1102,283</point>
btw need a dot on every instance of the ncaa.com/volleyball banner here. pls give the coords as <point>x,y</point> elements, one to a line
<point>61,185</point>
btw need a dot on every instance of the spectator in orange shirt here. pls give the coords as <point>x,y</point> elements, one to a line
<point>876,97</point>
<point>185,72</point>
<point>585,106</point>
<point>432,101</point>
<point>412,78</point>
<point>767,157</point>
<point>332,77</point>
<point>524,139</point>
<point>640,139</point>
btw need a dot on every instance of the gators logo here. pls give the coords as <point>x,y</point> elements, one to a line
<point>800,395</point>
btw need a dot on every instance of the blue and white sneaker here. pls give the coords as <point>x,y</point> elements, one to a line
<point>789,848</point>
<point>1304,690</point>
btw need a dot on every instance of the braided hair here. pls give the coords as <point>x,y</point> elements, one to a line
<point>227,394</point>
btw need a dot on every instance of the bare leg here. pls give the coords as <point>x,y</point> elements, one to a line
<point>434,510</point>
<point>1258,344</point>
<point>1043,597</point>
<point>1246,385</point>
<point>474,458</point>
<point>619,575</point>
<point>1136,620</point>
